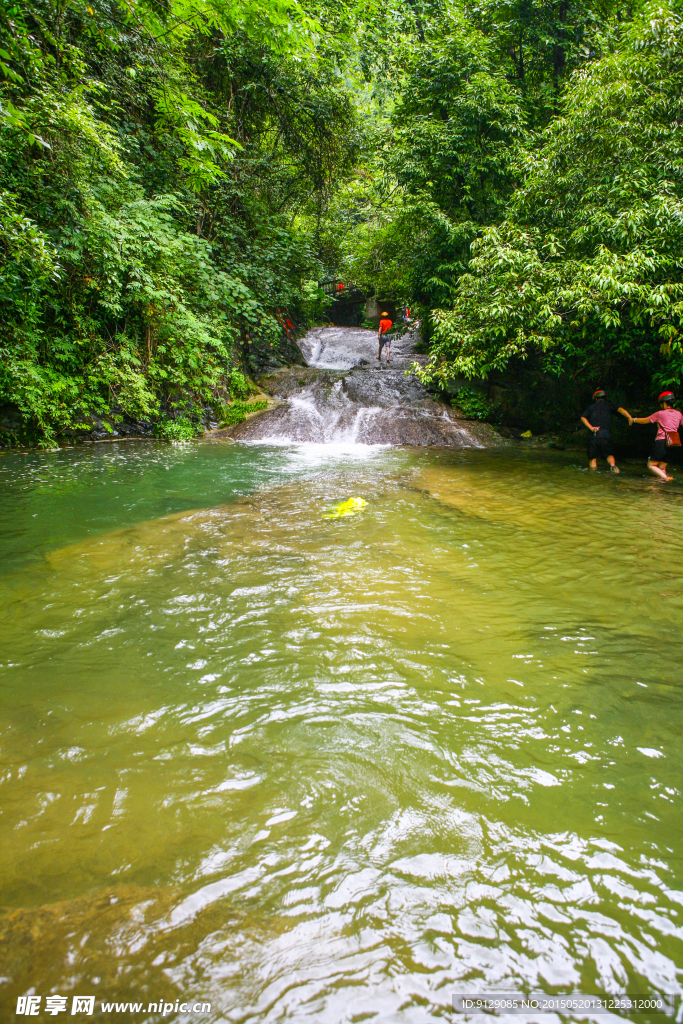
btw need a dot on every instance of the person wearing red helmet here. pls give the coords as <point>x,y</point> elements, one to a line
<point>598,419</point>
<point>384,336</point>
<point>668,422</point>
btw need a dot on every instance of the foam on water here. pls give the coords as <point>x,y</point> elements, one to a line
<point>340,348</point>
<point>349,403</point>
<point>312,454</point>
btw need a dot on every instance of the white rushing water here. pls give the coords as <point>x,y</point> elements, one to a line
<point>339,348</point>
<point>355,399</point>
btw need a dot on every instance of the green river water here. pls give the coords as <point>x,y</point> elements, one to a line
<point>337,770</point>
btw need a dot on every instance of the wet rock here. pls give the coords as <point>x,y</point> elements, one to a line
<point>345,347</point>
<point>359,406</point>
<point>91,427</point>
<point>261,356</point>
<point>286,382</point>
<point>345,395</point>
<point>11,425</point>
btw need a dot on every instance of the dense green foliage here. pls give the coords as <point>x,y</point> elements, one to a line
<point>175,179</point>
<point>469,92</point>
<point>523,193</point>
<point>160,168</point>
<point>586,265</point>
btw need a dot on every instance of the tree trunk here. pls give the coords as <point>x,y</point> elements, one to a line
<point>559,48</point>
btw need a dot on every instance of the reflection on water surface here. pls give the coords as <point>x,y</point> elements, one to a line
<point>337,770</point>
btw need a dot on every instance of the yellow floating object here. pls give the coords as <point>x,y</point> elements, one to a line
<point>527,433</point>
<point>350,507</point>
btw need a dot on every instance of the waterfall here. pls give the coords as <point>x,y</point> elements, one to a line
<point>347,397</point>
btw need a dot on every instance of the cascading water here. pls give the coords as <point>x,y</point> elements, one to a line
<point>347,397</point>
<point>341,348</point>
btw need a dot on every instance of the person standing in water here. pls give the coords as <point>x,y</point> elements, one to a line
<point>669,421</point>
<point>598,419</point>
<point>384,336</point>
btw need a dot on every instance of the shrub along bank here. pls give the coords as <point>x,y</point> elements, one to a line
<point>525,199</point>
<point>160,170</point>
<point>175,177</point>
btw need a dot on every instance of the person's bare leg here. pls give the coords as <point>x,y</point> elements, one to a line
<point>658,469</point>
<point>388,353</point>
<point>614,467</point>
<point>593,464</point>
<point>380,354</point>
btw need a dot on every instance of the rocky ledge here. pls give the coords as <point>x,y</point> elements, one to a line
<point>360,405</point>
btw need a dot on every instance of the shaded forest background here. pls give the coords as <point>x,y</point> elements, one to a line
<point>176,177</point>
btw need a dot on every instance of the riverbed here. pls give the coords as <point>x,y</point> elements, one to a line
<point>337,770</point>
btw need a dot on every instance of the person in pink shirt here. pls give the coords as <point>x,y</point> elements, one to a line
<point>669,421</point>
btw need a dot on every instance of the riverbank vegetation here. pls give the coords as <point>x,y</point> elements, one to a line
<point>175,178</point>
<point>526,198</point>
<point>163,170</point>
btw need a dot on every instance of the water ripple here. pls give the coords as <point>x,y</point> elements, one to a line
<point>337,770</point>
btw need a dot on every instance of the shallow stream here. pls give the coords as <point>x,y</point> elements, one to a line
<point>337,770</point>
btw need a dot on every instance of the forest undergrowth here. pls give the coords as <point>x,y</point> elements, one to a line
<point>177,178</point>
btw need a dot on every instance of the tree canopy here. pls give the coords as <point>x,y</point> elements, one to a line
<point>586,262</point>
<point>176,178</point>
<point>160,168</point>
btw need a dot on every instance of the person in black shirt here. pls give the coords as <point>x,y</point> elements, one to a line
<point>598,419</point>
